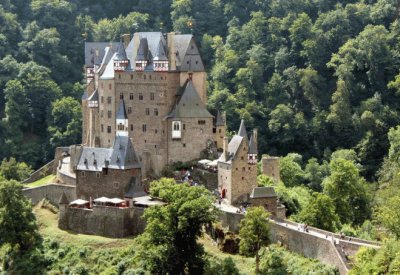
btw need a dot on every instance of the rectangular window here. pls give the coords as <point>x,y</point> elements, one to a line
<point>184,126</point>
<point>102,128</point>
<point>109,100</point>
<point>116,184</point>
<point>144,128</point>
<point>102,99</point>
<point>131,96</point>
<point>101,113</point>
<point>140,96</point>
<point>109,114</point>
<point>97,175</point>
<point>201,122</point>
<point>156,112</point>
<point>109,86</point>
<point>129,110</point>
<point>151,96</point>
<point>121,96</point>
<point>147,111</point>
<point>131,127</point>
<point>83,173</point>
<point>108,129</point>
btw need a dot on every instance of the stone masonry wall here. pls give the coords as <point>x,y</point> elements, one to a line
<point>104,221</point>
<point>52,192</point>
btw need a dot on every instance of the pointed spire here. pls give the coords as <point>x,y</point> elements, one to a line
<point>160,53</point>
<point>63,199</point>
<point>142,53</point>
<point>253,143</point>
<point>242,130</point>
<point>219,121</point>
<point>121,54</point>
<point>121,110</point>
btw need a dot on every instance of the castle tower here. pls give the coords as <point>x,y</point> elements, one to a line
<point>271,167</point>
<point>122,120</point>
<point>93,105</point>
<point>220,130</point>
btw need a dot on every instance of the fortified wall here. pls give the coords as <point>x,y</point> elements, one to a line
<point>51,192</point>
<point>105,221</point>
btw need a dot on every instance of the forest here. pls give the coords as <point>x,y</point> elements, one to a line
<point>320,79</point>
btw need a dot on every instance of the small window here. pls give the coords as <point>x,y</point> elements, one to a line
<point>102,99</point>
<point>184,144</point>
<point>144,128</point>
<point>237,169</point>
<point>110,86</point>
<point>121,127</point>
<point>131,127</point>
<point>201,122</point>
<point>243,168</point>
<point>105,171</point>
<point>197,62</point>
<point>184,126</point>
<point>214,130</point>
<point>242,178</point>
<point>129,110</point>
<point>131,76</point>
<point>121,96</point>
<point>119,76</point>
<point>140,96</point>
<point>109,114</point>
<point>102,128</point>
<point>109,100</point>
<point>131,96</point>
<point>242,158</point>
<point>151,96</point>
<point>109,130</point>
<point>101,113</point>
<point>155,131</point>
<point>97,175</point>
<point>149,76</point>
<point>83,173</point>
<point>147,111</point>
<point>156,112</point>
<point>249,168</point>
<point>144,76</point>
<point>116,184</point>
<point>162,78</point>
<point>176,126</point>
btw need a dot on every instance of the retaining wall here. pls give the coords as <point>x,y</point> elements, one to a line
<point>52,192</point>
<point>206,178</point>
<point>45,170</point>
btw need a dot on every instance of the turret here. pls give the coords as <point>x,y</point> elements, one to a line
<point>242,130</point>
<point>120,60</point>
<point>160,59</point>
<point>122,120</point>
<point>252,154</point>
<point>142,55</point>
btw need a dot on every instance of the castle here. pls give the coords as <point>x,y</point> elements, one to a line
<point>161,81</point>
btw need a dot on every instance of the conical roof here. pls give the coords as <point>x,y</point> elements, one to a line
<point>160,53</point>
<point>143,50</point>
<point>121,54</point>
<point>242,130</point>
<point>219,121</point>
<point>253,145</point>
<point>121,114</point>
<point>63,199</point>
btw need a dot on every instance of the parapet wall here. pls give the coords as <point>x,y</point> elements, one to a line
<point>51,192</point>
<point>105,221</point>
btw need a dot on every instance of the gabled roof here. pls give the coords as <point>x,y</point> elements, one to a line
<point>63,199</point>
<point>242,130</point>
<point>233,148</point>
<point>121,156</point>
<point>143,50</point>
<point>109,72</point>
<point>134,190</point>
<point>121,54</point>
<point>94,52</point>
<point>94,96</point>
<point>219,121</point>
<point>253,145</point>
<point>263,192</point>
<point>121,114</point>
<point>160,54</point>
<point>190,105</point>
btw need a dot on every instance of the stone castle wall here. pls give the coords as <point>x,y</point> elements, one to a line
<point>270,166</point>
<point>51,192</point>
<point>105,221</point>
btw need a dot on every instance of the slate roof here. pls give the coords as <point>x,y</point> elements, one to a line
<point>109,69</point>
<point>121,54</point>
<point>121,156</point>
<point>160,54</point>
<point>134,189</point>
<point>242,130</point>
<point>233,147</point>
<point>253,145</point>
<point>190,105</point>
<point>121,114</point>
<point>219,121</point>
<point>94,52</point>
<point>94,96</point>
<point>263,192</point>
<point>143,50</point>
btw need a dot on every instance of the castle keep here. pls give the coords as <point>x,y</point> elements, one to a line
<point>160,79</point>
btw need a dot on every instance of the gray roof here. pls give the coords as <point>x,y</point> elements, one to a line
<point>121,114</point>
<point>121,156</point>
<point>94,53</point>
<point>121,54</point>
<point>143,50</point>
<point>190,105</point>
<point>233,147</point>
<point>135,190</point>
<point>253,145</point>
<point>263,192</point>
<point>160,54</point>
<point>94,96</point>
<point>219,121</point>
<point>242,130</point>
<point>63,199</point>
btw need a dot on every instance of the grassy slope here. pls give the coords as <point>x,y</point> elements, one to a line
<point>42,181</point>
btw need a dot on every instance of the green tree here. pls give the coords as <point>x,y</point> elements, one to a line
<point>291,172</point>
<point>272,262</point>
<point>320,213</point>
<point>254,233</point>
<point>388,216</point>
<point>11,169</point>
<point>17,222</point>
<point>169,242</point>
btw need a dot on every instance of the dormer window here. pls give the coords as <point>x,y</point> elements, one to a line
<point>120,65</point>
<point>140,65</point>
<point>176,129</point>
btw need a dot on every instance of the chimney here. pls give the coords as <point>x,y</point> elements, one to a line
<point>255,134</point>
<point>171,50</point>
<point>226,154</point>
<point>126,38</point>
<point>224,117</point>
